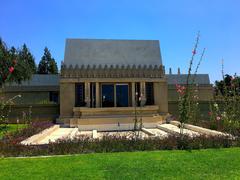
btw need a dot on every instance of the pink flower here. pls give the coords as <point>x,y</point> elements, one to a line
<point>218,118</point>
<point>11,69</point>
<point>180,89</point>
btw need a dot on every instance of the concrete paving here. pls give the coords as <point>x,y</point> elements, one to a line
<point>161,130</point>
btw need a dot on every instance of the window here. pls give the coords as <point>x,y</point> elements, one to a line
<point>80,97</point>
<point>149,93</point>
<point>53,96</point>
<point>107,95</point>
<point>122,95</point>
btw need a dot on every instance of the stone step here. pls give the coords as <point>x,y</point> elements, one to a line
<point>85,112</point>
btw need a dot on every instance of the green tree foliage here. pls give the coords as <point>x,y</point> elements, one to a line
<point>27,56</point>
<point>47,65</point>
<point>225,86</point>
<point>13,66</point>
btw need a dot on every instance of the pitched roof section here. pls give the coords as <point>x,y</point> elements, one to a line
<point>40,80</point>
<point>182,79</point>
<point>112,52</point>
<point>53,80</point>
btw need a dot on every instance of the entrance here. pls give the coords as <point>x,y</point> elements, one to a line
<point>122,95</point>
<point>107,95</point>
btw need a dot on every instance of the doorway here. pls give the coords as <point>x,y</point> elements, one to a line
<point>107,95</point>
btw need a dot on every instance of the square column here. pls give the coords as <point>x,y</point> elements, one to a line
<point>143,92</point>
<point>67,104</point>
<point>133,94</point>
<point>161,96</point>
<point>97,95</point>
<point>87,93</point>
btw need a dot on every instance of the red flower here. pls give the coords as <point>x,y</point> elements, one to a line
<point>194,52</point>
<point>11,69</point>
<point>209,113</point>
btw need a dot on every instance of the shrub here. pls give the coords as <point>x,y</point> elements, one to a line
<point>85,144</point>
<point>31,129</point>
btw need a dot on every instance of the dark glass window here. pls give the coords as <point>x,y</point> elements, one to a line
<point>53,96</point>
<point>122,95</point>
<point>79,95</point>
<point>107,95</point>
<point>149,93</point>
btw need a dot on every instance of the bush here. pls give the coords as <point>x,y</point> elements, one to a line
<point>20,135</point>
<point>85,144</point>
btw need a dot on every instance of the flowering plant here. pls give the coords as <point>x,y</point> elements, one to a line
<point>225,109</point>
<point>13,68</point>
<point>188,97</point>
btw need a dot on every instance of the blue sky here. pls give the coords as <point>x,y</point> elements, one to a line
<point>174,22</point>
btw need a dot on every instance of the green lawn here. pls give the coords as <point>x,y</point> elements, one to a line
<point>202,164</point>
<point>11,128</point>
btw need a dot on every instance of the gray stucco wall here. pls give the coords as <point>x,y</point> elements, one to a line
<point>30,97</point>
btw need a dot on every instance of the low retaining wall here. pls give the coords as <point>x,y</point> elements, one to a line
<point>198,129</point>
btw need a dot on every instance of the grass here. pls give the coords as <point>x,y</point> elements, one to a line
<point>11,128</point>
<point>197,164</point>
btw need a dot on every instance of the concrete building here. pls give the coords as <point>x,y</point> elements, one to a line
<point>103,83</point>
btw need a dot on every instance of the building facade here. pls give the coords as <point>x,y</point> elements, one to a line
<point>104,84</point>
<point>107,78</point>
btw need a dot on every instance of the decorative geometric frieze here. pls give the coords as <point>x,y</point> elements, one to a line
<point>112,71</point>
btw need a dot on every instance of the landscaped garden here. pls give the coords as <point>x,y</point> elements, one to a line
<point>112,163</point>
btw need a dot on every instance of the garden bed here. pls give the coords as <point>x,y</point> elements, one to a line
<point>11,128</point>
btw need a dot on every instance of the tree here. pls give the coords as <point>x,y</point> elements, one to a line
<point>47,65</point>
<point>226,85</point>
<point>53,69</point>
<point>28,57</point>
<point>13,67</point>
